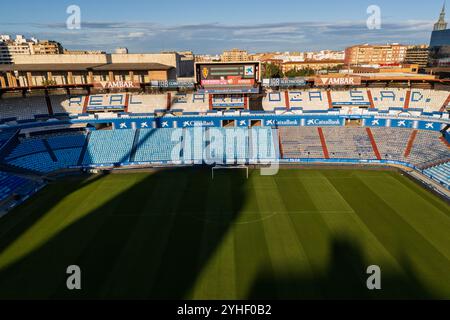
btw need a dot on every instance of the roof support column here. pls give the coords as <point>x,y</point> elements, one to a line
<point>29,79</point>
<point>49,77</point>
<point>2,81</point>
<point>12,82</point>
<point>70,77</point>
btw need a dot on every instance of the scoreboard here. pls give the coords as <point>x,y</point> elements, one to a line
<point>243,74</point>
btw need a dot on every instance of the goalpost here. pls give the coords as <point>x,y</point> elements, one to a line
<point>213,169</point>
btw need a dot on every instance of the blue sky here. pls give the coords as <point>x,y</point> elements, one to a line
<point>210,27</point>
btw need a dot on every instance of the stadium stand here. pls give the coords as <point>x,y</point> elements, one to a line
<point>109,147</point>
<point>176,145</point>
<point>392,143</point>
<point>5,136</point>
<point>47,154</point>
<point>27,147</point>
<point>267,144</point>
<point>232,101</point>
<point>65,104</point>
<point>147,103</point>
<point>273,100</point>
<point>382,98</point>
<point>67,157</point>
<point>426,150</point>
<point>351,143</point>
<point>440,173</point>
<point>350,97</point>
<point>309,100</point>
<point>66,141</point>
<point>355,143</point>
<point>14,189</point>
<point>155,145</point>
<point>191,102</point>
<point>301,143</point>
<point>388,98</point>
<point>23,108</point>
<point>10,184</point>
<point>427,100</point>
<point>39,162</point>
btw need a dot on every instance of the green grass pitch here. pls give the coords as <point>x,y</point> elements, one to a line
<point>179,234</point>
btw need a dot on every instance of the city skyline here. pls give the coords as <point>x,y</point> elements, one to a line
<point>204,29</point>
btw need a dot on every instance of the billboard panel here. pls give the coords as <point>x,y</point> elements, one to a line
<point>338,81</point>
<point>284,82</point>
<point>117,85</point>
<point>229,82</point>
<point>227,74</point>
<point>171,84</point>
<point>228,90</point>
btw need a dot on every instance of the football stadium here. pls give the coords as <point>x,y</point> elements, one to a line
<point>226,187</point>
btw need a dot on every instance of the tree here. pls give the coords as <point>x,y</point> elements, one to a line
<point>271,70</point>
<point>299,73</point>
<point>49,83</point>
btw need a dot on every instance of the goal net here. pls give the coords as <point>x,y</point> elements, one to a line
<point>220,169</point>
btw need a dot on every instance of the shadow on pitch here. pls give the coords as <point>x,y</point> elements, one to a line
<point>344,278</point>
<point>14,224</point>
<point>155,239</point>
<point>150,241</point>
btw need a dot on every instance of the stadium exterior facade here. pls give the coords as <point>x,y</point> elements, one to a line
<point>69,70</point>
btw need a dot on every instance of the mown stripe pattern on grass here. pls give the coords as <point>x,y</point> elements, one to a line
<point>179,234</point>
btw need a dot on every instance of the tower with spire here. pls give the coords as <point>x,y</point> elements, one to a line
<point>441,24</point>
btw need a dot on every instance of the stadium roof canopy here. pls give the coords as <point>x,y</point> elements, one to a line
<point>391,74</point>
<point>48,67</point>
<point>132,66</point>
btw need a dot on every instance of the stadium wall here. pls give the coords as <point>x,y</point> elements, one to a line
<point>240,120</point>
<point>170,59</point>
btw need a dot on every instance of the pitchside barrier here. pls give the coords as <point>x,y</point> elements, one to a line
<point>264,119</point>
<point>281,161</point>
<point>360,161</point>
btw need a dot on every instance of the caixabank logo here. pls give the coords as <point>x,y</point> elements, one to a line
<point>282,122</point>
<point>249,71</point>
<point>323,122</point>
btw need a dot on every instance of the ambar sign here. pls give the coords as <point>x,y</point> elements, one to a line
<point>337,81</point>
<point>116,84</point>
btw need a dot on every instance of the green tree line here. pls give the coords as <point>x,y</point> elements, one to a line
<point>271,70</point>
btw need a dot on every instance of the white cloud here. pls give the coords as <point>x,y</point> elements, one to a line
<point>215,37</point>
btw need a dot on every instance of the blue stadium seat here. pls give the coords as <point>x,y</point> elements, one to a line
<point>156,145</point>
<point>26,147</point>
<point>67,141</point>
<point>32,154</point>
<point>9,184</point>
<point>440,173</point>
<point>109,147</point>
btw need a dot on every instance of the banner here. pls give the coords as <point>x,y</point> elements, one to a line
<point>351,103</point>
<point>284,82</point>
<point>324,122</point>
<point>117,85</point>
<point>229,90</point>
<point>229,82</point>
<point>172,84</point>
<point>337,81</point>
